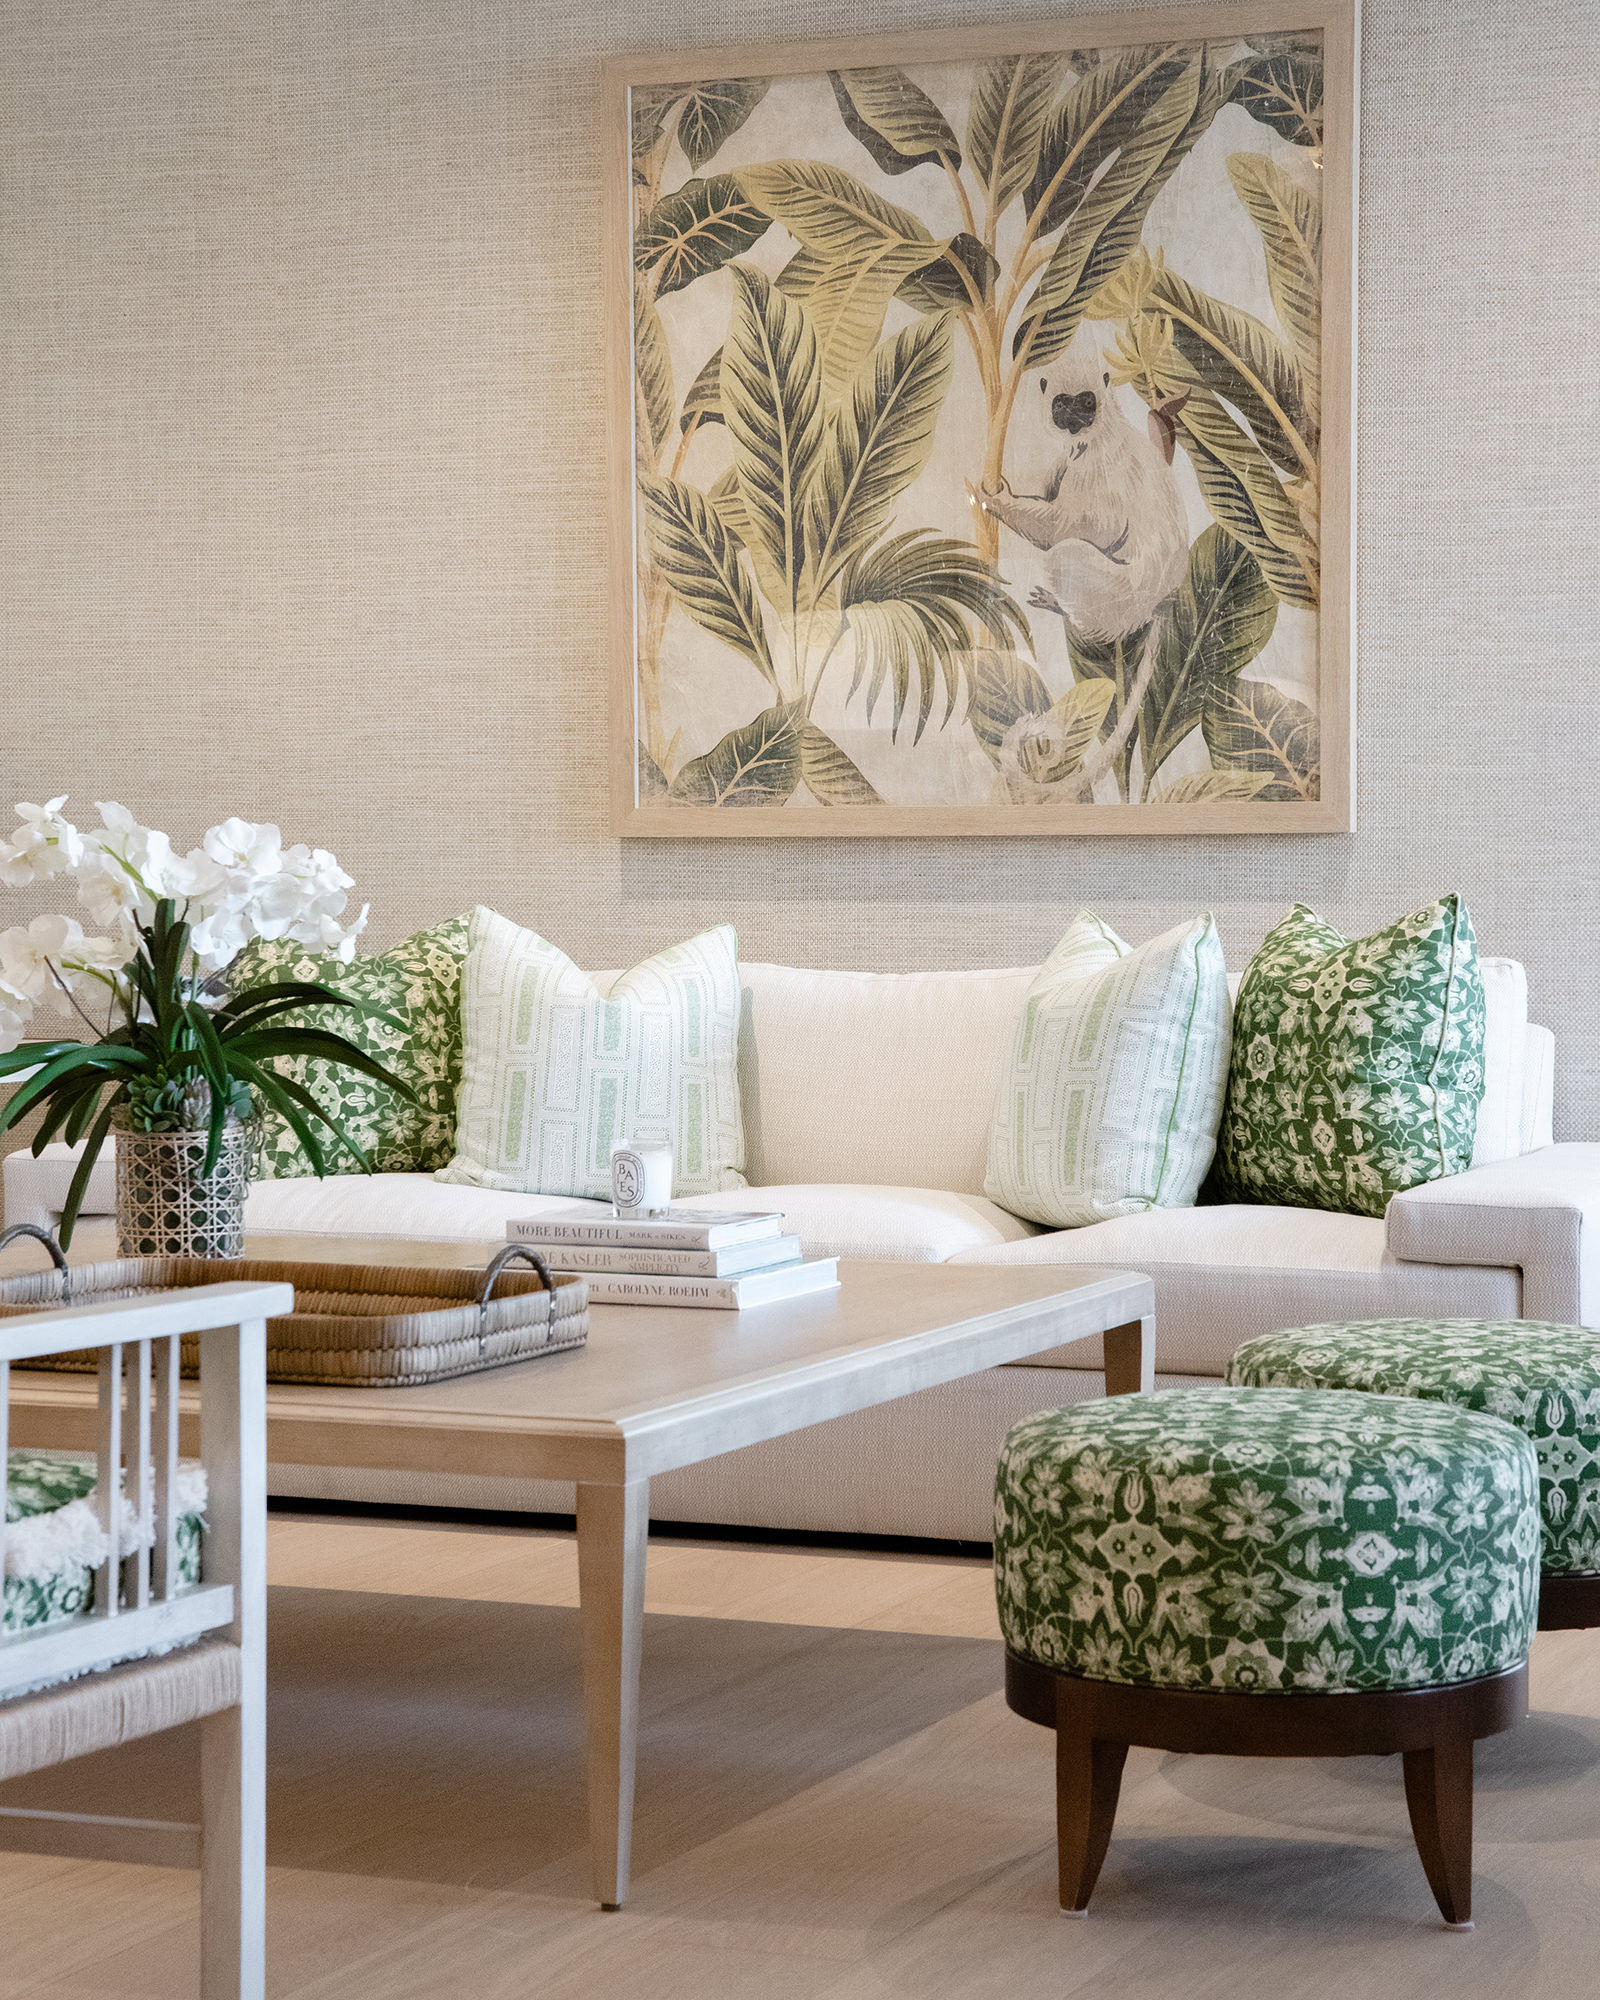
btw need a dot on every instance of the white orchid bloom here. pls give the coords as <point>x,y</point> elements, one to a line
<point>92,961</point>
<point>108,892</point>
<point>220,935</point>
<point>244,848</point>
<point>14,1011</point>
<point>26,956</point>
<point>338,939</point>
<point>143,856</point>
<point>45,844</point>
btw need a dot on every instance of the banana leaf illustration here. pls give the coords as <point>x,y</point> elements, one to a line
<point>795,554</point>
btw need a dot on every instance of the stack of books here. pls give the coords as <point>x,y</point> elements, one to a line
<point>680,1257</point>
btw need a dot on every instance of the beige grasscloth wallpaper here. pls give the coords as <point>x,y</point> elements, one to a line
<point>300,416</point>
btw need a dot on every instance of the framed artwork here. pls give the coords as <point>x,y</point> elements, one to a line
<point>980,409</point>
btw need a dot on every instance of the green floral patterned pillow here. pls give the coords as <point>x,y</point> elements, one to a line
<point>1357,1064</point>
<point>419,983</point>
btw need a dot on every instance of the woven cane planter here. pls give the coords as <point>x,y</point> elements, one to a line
<point>167,1207</point>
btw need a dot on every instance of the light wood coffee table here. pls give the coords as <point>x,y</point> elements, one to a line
<point>656,1388</point>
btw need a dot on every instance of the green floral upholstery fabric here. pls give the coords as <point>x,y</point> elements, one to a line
<point>1544,1379</point>
<point>39,1483</point>
<point>1357,1065</point>
<point>1268,1539</point>
<point>419,982</point>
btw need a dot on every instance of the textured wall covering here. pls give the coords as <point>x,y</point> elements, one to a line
<point>299,408</point>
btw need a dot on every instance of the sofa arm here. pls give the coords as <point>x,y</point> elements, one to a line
<point>1540,1213</point>
<point>36,1189</point>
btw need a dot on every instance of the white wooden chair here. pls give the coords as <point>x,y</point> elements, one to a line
<point>217,1672</point>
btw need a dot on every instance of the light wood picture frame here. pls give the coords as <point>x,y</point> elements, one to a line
<point>980,411</point>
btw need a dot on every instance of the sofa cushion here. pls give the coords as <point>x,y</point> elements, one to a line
<point>890,1224</point>
<point>555,1074</point>
<point>418,982</point>
<point>883,1077</point>
<point>1224,1274</point>
<point>1357,1063</point>
<point>1112,1096</point>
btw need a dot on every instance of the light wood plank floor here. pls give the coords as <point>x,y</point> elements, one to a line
<point>835,1805</point>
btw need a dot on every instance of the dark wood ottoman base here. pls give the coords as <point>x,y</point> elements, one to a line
<point>1568,1603</point>
<point>1433,1729</point>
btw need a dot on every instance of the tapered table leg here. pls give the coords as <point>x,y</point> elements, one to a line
<point>613,1530</point>
<point>1130,1357</point>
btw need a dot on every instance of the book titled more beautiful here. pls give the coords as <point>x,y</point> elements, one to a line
<point>672,1229</point>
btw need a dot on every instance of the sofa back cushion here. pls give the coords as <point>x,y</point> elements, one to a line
<point>884,1078</point>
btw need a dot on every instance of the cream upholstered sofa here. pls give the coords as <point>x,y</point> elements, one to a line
<point>867,1099</point>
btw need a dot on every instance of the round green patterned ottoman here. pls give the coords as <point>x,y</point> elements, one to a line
<point>1268,1572</point>
<point>1544,1379</point>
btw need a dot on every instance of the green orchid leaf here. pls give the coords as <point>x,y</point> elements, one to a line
<point>86,1165</point>
<point>700,559</point>
<point>63,1104</point>
<point>1253,726</point>
<point>772,400</point>
<point>758,765</point>
<point>88,1055</point>
<point>894,119</point>
<point>1002,687</point>
<point>877,442</point>
<point>696,229</point>
<point>312,1042</point>
<point>1221,618</point>
<point>832,778</point>
<point>713,112</point>
<point>284,1094</point>
<point>1011,100</point>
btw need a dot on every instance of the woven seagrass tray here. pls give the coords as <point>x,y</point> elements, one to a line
<point>364,1326</point>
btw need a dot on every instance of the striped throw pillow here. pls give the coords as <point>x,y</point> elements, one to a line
<point>555,1073</point>
<point>1114,1092</point>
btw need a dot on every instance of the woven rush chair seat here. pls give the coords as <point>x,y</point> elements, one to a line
<point>1277,1572</point>
<point>105,1710</point>
<point>1543,1378</point>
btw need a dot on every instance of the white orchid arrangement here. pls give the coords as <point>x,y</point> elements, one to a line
<point>178,1050</point>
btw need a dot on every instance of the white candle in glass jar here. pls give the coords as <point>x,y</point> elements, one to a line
<point>641,1177</point>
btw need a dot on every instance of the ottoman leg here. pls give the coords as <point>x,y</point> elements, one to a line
<point>1088,1779</point>
<point>1439,1798</point>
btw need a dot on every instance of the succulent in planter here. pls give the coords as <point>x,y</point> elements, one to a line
<point>170,1049</point>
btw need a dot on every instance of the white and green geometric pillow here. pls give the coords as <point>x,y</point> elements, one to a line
<point>555,1073</point>
<point>1357,1063</point>
<point>419,983</point>
<point>1116,1081</point>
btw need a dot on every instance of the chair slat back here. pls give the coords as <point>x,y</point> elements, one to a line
<point>139,1599</point>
